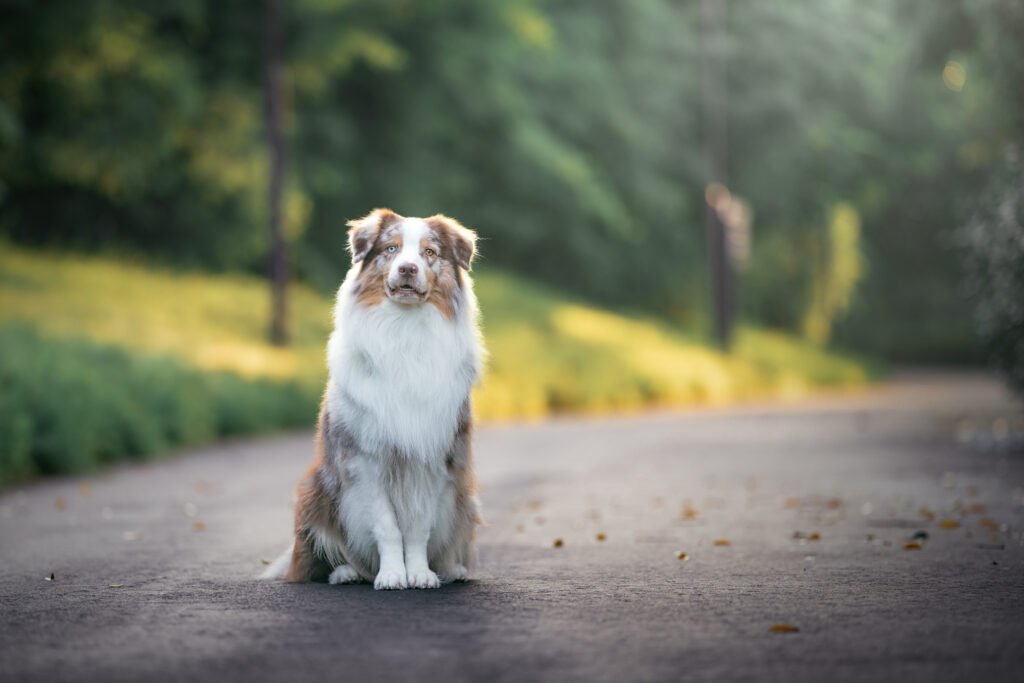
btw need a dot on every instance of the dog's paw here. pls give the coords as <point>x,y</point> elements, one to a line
<point>390,581</point>
<point>423,578</point>
<point>343,574</point>
<point>455,572</point>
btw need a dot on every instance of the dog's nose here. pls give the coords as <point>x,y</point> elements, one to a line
<point>408,269</point>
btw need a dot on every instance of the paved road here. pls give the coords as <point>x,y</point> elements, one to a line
<point>153,565</point>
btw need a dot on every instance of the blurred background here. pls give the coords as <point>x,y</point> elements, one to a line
<point>681,202</point>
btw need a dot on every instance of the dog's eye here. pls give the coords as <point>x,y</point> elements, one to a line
<point>392,249</point>
<point>428,251</point>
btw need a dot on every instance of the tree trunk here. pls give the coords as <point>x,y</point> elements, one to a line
<point>273,87</point>
<point>714,93</point>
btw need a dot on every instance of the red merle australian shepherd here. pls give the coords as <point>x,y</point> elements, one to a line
<point>390,496</point>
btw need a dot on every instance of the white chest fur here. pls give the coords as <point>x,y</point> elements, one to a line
<point>400,374</point>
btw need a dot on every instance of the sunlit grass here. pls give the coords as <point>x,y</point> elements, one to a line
<point>548,354</point>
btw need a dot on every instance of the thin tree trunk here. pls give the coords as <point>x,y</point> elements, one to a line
<point>714,94</point>
<point>273,93</point>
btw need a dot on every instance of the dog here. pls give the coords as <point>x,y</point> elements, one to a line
<point>391,496</point>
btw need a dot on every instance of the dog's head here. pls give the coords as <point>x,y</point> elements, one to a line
<point>410,261</point>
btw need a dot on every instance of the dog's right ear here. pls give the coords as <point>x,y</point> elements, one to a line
<point>363,232</point>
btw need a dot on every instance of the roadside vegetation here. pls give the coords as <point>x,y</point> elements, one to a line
<point>107,360</point>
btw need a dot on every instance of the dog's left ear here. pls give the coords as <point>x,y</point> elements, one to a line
<point>459,239</point>
<point>363,232</point>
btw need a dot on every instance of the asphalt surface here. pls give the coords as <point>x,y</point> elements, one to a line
<point>793,515</point>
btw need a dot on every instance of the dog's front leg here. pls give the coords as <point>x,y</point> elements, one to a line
<point>416,567</point>
<point>391,574</point>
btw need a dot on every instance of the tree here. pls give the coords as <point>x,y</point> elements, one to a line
<point>273,90</point>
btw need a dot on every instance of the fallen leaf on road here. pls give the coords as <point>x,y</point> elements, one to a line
<point>199,526</point>
<point>558,543</point>
<point>949,524</point>
<point>927,513</point>
<point>85,488</point>
<point>534,505</point>
<point>264,561</point>
<point>834,503</point>
<point>682,556</point>
<point>814,536</point>
<point>600,536</point>
<point>520,528</point>
<point>689,512</point>
<point>989,524</point>
<point>912,545</point>
<point>783,628</point>
<point>60,503</point>
<point>791,503</point>
<point>722,542</point>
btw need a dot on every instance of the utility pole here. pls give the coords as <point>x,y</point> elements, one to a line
<point>273,97</point>
<point>714,96</point>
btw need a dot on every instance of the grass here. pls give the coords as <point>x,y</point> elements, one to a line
<point>143,359</point>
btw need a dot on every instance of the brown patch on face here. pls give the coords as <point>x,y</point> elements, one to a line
<point>458,241</point>
<point>441,278</point>
<point>363,232</point>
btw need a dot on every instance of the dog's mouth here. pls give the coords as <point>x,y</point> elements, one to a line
<point>405,292</point>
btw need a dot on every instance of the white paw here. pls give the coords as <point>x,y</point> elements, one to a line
<point>423,578</point>
<point>343,574</point>
<point>455,572</point>
<point>388,580</point>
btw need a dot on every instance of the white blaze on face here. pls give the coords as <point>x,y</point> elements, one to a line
<point>413,231</point>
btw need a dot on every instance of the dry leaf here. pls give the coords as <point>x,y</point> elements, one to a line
<point>199,526</point>
<point>722,542</point>
<point>911,545</point>
<point>534,505</point>
<point>791,503</point>
<point>600,536</point>
<point>989,524</point>
<point>977,508</point>
<point>834,503</point>
<point>558,543</point>
<point>520,528</point>
<point>264,561</point>
<point>927,513</point>
<point>689,512</point>
<point>949,524</point>
<point>85,488</point>
<point>682,556</point>
<point>60,503</point>
<point>783,628</point>
<point>814,536</point>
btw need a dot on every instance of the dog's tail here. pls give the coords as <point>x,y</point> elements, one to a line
<point>278,567</point>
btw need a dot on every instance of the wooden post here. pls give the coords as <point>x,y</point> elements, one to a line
<point>273,95</point>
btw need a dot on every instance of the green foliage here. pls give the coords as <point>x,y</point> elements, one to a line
<point>179,360</point>
<point>569,134</point>
<point>72,405</point>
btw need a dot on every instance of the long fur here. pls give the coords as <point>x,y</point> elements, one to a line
<point>393,471</point>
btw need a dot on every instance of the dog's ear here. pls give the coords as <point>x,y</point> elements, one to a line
<point>459,239</point>
<point>363,232</point>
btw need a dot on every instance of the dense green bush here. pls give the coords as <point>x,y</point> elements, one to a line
<point>70,406</point>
